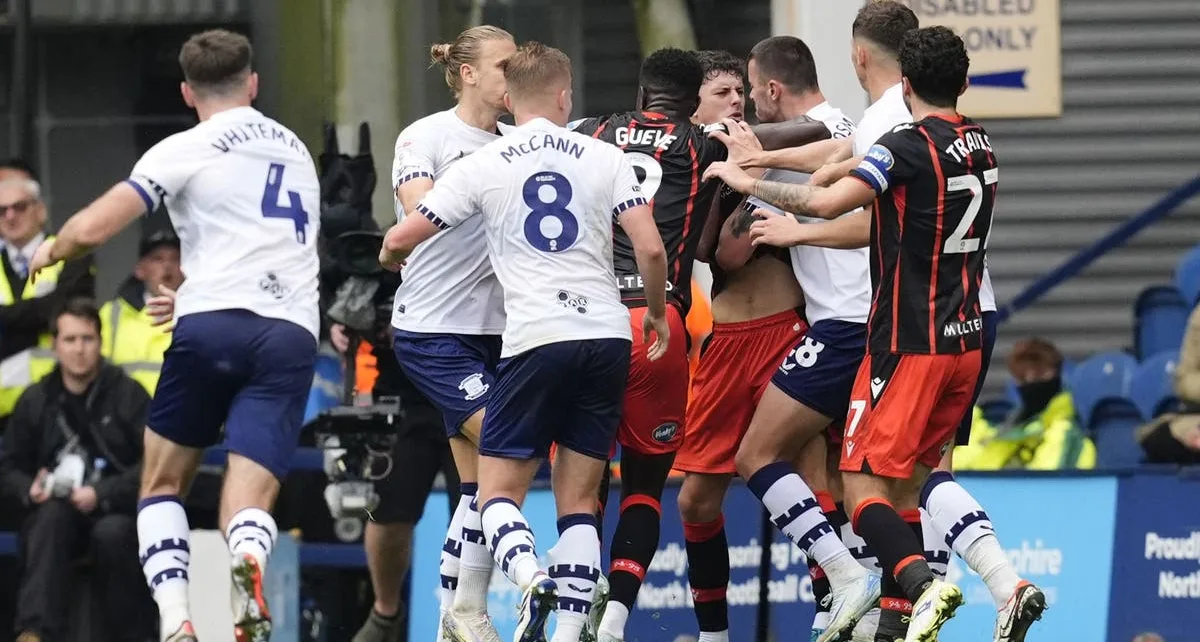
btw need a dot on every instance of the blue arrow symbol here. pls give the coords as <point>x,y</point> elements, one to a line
<point>1000,79</point>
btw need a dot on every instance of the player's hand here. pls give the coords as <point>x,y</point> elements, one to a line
<point>37,491</point>
<point>41,259</point>
<point>658,326</point>
<point>161,308</point>
<point>741,142</point>
<point>778,230</point>
<point>734,176</point>
<point>84,498</point>
<point>389,263</point>
<point>338,337</point>
<point>827,175</point>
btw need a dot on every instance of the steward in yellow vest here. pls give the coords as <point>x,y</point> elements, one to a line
<point>1042,434</point>
<point>27,309</point>
<point>127,338</point>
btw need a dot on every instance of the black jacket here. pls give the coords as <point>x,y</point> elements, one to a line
<point>118,407</point>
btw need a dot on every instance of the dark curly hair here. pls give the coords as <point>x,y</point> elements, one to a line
<point>715,62</point>
<point>935,62</point>
<point>673,72</point>
<point>884,22</point>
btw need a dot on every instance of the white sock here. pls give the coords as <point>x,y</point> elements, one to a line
<point>713,636</point>
<point>475,567</point>
<point>163,531</point>
<point>574,567</point>
<point>510,540</point>
<point>252,531</point>
<point>987,558</point>
<point>937,552</point>
<point>955,512</point>
<point>859,549</point>
<point>450,565</point>
<point>795,511</point>
<point>613,622</point>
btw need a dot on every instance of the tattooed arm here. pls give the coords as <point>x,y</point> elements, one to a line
<point>823,202</point>
<point>734,249</point>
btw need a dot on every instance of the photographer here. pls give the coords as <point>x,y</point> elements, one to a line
<point>72,455</point>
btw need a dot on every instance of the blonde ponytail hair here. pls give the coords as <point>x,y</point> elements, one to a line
<point>465,50</point>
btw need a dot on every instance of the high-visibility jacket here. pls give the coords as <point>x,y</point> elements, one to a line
<point>128,340</point>
<point>1051,440</point>
<point>20,370</point>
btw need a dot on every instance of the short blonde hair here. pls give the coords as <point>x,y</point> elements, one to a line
<point>535,68</point>
<point>466,49</point>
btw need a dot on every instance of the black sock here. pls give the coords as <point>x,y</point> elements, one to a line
<point>633,546</point>
<point>708,573</point>
<point>899,551</point>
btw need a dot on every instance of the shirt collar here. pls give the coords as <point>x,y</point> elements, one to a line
<point>28,249</point>
<point>234,113</point>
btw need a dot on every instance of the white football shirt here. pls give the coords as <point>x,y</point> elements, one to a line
<point>547,198</point>
<point>880,118</point>
<point>243,195</point>
<point>448,285</point>
<point>836,283</point>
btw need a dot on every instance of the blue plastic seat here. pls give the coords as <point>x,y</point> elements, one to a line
<point>1113,424</point>
<point>1187,277</point>
<point>1152,390</point>
<point>1160,317</point>
<point>1101,377</point>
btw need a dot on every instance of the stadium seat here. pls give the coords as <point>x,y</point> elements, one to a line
<point>1187,277</point>
<point>1113,423</point>
<point>1152,389</point>
<point>1101,377</point>
<point>995,411</point>
<point>1160,317</point>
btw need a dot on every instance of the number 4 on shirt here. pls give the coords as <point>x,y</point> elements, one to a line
<point>293,211</point>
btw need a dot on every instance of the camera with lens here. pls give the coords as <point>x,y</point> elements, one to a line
<point>356,293</point>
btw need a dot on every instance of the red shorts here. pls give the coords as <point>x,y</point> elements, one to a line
<point>657,391</point>
<point>905,409</point>
<point>734,369</point>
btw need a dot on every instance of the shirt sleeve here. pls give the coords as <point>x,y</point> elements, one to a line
<point>415,156</point>
<point>451,201</point>
<point>627,191</point>
<point>892,160</point>
<point>163,171</point>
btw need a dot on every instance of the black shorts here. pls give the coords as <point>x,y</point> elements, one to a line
<point>420,453</point>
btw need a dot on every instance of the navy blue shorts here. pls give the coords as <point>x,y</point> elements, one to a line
<point>455,372</point>
<point>819,370</point>
<point>569,392</point>
<point>963,436</point>
<point>234,368</point>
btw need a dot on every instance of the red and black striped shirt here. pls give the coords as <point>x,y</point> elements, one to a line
<point>936,183</point>
<point>669,156</point>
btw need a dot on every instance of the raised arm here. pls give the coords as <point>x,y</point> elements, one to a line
<point>805,158</point>
<point>822,202</point>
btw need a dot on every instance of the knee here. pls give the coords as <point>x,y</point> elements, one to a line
<point>750,459</point>
<point>114,533</point>
<point>697,506</point>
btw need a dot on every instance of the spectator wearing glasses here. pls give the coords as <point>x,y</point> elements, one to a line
<point>26,309</point>
<point>72,456</point>
<point>128,337</point>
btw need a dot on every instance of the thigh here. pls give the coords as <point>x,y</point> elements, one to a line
<point>656,392</point>
<point>456,373</point>
<point>529,399</point>
<point>820,369</point>
<point>894,398</point>
<point>955,398</point>
<point>201,373</point>
<point>601,368</point>
<point>267,414</point>
<point>416,458</point>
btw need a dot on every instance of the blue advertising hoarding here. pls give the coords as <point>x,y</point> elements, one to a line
<point>1058,533</point>
<point>1156,559</point>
